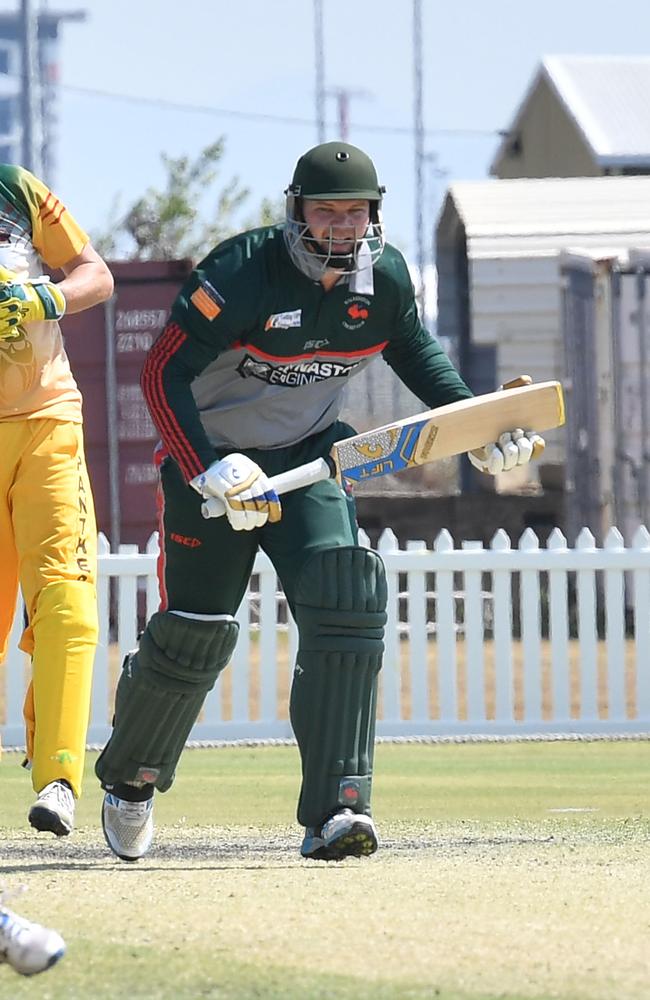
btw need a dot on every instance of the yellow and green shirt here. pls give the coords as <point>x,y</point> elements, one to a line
<point>36,229</point>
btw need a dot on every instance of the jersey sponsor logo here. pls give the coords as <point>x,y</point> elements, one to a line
<point>297,374</point>
<point>284,320</point>
<point>315,345</point>
<point>357,311</point>
<point>207,300</point>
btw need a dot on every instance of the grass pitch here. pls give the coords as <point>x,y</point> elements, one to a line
<point>513,871</point>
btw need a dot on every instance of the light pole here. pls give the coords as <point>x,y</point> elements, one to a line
<point>319,63</point>
<point>418,131</point>
<point>31,95</point>
<point>343,95</point>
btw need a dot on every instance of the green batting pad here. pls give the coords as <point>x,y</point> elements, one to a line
<point>160,694</point>
<point>340,612</point>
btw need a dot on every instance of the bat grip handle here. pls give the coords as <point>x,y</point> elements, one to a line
<point>285,482</point>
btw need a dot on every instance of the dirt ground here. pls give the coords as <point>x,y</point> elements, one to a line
<point>446,912</point>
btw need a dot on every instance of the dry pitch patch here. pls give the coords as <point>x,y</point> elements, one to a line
<point>456,911</point>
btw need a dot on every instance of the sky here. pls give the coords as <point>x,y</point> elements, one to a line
<point>245,58</point>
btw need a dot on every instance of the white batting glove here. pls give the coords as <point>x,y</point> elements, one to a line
<point>512,449</point>
<point>245,490</point>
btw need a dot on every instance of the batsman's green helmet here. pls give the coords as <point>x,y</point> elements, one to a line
<point>335,170</point>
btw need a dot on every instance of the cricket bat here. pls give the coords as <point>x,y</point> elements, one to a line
<point>427,437</point>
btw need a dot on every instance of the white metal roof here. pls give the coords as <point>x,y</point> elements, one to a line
<point>604,214</point>
<point>608,97</point>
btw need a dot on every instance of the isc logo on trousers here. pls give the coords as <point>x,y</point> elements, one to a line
<point>186,540</point>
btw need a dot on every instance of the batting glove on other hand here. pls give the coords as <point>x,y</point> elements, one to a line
<point>26,301</point>
<point>246,491</point>
<point>512,449</point>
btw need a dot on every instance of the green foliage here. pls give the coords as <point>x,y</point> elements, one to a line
<point>270,212</point>
<point>169,224</point>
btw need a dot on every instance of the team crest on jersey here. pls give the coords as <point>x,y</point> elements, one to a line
<point>284,320</point>
<point>356,311</point>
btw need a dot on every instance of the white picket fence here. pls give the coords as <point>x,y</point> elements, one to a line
<point>456,663</point>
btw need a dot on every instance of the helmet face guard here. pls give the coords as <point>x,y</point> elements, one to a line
<point>333,171</point>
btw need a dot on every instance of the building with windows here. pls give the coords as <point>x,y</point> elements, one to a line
<point>12,103</point>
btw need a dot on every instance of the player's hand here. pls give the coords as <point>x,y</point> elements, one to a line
<point>245,490</point>
<point>26,301</point>
<point>512,449</point>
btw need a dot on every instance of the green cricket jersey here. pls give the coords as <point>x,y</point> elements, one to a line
<point>257,355</point>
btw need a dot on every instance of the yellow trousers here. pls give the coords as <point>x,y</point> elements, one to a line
<point>48,545</point>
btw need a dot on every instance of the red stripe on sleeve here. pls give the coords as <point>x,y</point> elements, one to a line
<point>52,207</point>
<point>163,415</point>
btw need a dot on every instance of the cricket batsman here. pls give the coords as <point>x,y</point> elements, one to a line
<point>246,381</point>
<point>47,524</point>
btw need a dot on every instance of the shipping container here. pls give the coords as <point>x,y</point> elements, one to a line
<point>107,346</point>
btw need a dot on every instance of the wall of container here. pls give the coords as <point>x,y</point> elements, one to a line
<point>107,346</point>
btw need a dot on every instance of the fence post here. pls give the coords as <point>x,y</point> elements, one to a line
<point>587,630</point>
<point>446,632</point>
<point>99,713</point>
<point>153,584</point>
<point>641,577</point>
<point>614,591</point>
<point>391,674</point>
<point>558,626</point>
<point>531,640</point>
<point>502,627</point>
<point>418,639</point>
<point>475,663</point>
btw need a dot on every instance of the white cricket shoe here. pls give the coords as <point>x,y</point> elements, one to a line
<point>53,810</point>
<point>346,834</point>
<point>26,947</point>
<point>127,826</point>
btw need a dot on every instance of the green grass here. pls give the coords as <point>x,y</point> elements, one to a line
<point>507,872</point>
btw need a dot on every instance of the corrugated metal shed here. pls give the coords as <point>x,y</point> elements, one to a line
<point>499,245</point>
<point>549,214</point>
<point>607,97</point>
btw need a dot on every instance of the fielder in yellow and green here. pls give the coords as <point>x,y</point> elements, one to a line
<point>47,522</point>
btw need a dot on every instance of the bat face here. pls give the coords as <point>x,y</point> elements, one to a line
<point>448,430</point>
<point>383,451</point>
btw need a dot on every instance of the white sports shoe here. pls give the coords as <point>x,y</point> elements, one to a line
<point>26,947</point>
<point>344,835</point>
<point>53,810</point>
<point>127,826</point>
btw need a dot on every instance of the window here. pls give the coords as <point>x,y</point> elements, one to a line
<point>6,115</point>
<point>5,59</point>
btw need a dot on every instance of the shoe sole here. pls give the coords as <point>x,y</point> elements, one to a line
<point>357,842</point>
<point>46,821</point>
<point>122,857</point>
